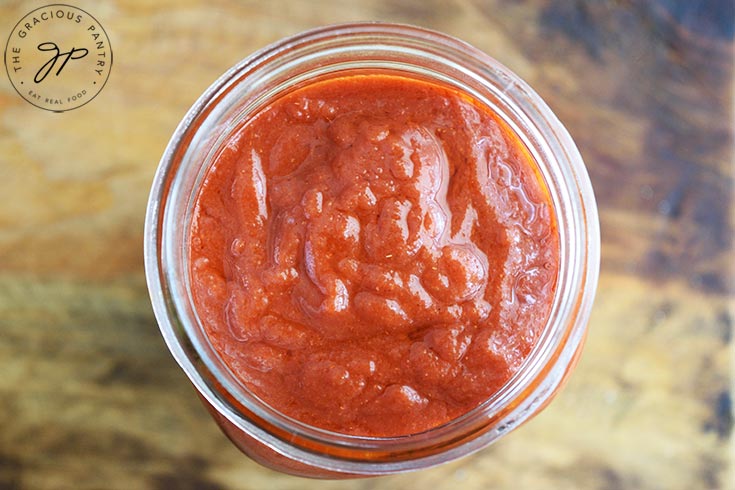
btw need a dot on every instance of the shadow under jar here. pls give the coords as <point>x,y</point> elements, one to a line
<point>372,249</point>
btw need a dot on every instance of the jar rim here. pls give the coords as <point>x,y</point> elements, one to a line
<point>572,311</point>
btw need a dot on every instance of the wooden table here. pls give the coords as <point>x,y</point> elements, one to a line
<point>90,397</point>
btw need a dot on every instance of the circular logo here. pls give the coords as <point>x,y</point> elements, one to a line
<point>58,57</point>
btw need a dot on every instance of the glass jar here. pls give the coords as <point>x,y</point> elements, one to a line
<point>263,433</point>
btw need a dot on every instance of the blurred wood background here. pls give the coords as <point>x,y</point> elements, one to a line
<point>89,396</point>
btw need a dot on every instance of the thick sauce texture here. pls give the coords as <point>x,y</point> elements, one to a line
<point>373,255</point>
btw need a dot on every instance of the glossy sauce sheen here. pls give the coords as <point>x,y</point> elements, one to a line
<point>374,255</point>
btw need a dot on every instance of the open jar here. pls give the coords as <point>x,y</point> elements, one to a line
<point>269,436</point>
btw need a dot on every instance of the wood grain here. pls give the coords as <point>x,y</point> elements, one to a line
<point>90,397</point>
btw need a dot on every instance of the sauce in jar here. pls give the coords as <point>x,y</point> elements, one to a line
<point>373,254</point>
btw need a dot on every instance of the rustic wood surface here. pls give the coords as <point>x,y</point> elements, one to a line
<point>89,396</point>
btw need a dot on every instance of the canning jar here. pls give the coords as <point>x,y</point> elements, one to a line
<point>262,432</point>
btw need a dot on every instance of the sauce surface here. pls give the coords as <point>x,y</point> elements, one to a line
<point>373,255</point>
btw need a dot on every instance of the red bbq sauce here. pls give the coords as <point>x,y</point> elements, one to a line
<point>373,255</point>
